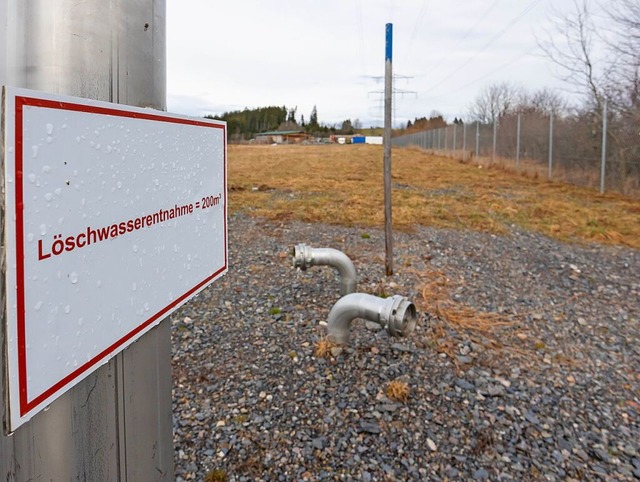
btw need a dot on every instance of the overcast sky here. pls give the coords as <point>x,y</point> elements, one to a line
<point>230,55</point>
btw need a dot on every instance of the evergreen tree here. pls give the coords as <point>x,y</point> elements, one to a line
<point>245,123</point>
<point>313,125</point>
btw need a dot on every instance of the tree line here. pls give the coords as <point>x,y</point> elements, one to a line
<point>245,124</point>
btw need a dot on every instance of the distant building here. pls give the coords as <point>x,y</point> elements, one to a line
<point>356,139</point>
<point>281,137</point>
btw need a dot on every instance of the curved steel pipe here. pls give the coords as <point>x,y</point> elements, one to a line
<point>305,256</point>
<point>397,314</point>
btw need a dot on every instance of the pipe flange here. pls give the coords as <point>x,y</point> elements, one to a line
<point>302,256</point>
<point>403,317</point>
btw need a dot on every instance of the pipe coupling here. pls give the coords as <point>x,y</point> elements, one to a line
<point>302,256</point>
<point>401,316</point>
<point>396,314</point>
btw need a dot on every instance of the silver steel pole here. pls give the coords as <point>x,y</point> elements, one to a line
<point>518,143</point>
<point>603,162</point>
<point>477,138</point>
<point>388,90</point>
<point>495,139</point>
<point>446,135</point>
<point>116,424</point>
<point>550,145</point>
<point>464,141</point>
<point>454,137</point>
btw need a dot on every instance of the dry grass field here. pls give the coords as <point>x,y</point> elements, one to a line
<point>342,184</point>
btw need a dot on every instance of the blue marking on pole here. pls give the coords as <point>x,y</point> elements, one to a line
<point>389,43</point>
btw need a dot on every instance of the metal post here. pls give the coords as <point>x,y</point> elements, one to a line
<point>604,146</point>
<point>550,145</point>
<point>439,134</point>
<point>518,143</point>
<point>454,137</point>
<point>477,138</point>
<point>446,134</point>
<point>116,424</point>
<point>464,141</point>
<point>495,138</point>
<point>388,90</point>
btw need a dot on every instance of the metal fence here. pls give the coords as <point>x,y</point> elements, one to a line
<point>600,151</point>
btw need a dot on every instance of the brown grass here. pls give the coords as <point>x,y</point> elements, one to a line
<point>343,185</point>
<point>216,475</point>
<point>397,390</point>
<point>457,322</point>
<point>437,300</point>
<point>323,348</point>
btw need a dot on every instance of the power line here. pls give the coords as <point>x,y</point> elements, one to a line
<point>510,24</point>
<point>416,27</point>
<point>503,66</point>
<point>360,30</point>
<point>466,35</point>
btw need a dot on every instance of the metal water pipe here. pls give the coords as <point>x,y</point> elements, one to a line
<point>396,314</point>
<point>305,256</point>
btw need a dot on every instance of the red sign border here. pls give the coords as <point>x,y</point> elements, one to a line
<point>21,102</point>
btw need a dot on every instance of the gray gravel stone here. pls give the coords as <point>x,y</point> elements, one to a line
<point>547,397</point>
<point>465,385</point>
<point>480,474</point>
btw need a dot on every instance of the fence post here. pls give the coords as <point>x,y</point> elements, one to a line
<point>495,139</point>
<point>604,146</point>
<point>550,145</point>
<point>446,134</point>
<point>455,128</point>
<point>464,141</point>
<point>477,137</point>
<point>439,135</point>
<point>518,143</point>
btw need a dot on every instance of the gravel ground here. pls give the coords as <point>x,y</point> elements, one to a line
<point>554,394</point>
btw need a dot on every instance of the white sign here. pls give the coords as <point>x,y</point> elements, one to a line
<point>114,217</point>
